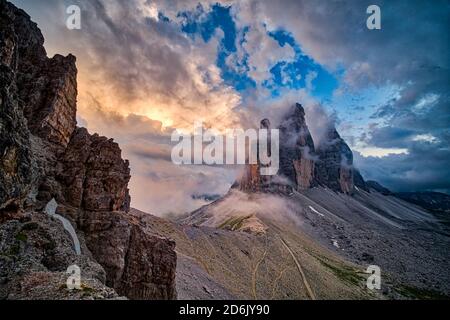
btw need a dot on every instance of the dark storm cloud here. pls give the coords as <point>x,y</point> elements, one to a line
<point>132,57</point>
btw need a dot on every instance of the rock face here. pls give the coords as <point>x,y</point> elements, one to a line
<point>16,159</point>
<point>302,164</point>
<point>297,152</point>
<point>138,264</point>
<point>252,180</point>
<point>335,165</point>
<point>44,156</point>
<point>94,175</point>
<point>34,255</point>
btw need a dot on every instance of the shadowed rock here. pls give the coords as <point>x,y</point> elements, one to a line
<point>44,156</point>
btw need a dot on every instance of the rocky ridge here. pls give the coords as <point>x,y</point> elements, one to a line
<point>302,164</point>
<point>45,157</point>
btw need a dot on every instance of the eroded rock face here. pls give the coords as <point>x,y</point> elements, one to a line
<point>35,252</point>
<point>252,180</point>
<point>93,173</point>
<point>44,156</point>
<point>297,149</point>
<point>49,97</point>
<point>297,165</point>
<point>304,173</point>
<point>304,165</point>
<point>16,160</point>
<point>138,264</point>
<point>335,165</point>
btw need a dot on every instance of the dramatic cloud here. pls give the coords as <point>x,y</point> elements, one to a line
<point>147,67</point>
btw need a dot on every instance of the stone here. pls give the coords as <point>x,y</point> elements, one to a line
<point>297,150</point>
<point>16,160</point>
<point>45,158</point>
<point>335,164</point>
<point>138,264</point>
<point>94,176</point>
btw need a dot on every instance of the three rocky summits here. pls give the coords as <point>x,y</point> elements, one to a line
<point>302,164</point>
<point>269,237</point>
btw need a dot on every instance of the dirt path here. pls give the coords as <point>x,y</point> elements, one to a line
<point>300,269</point>
<point>255,271</point>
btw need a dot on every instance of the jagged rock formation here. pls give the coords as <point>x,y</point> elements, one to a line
<point>335,166</point>
<point>93,173</point>
<point>44,156</point>
<point>16,160</point>
<point>252,180</point>
<point>297,152</point>
<point>138,264</point>
<point>35,253</point>
<point>303,164</point>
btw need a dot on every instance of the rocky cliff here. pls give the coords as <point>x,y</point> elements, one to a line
<point>303,165</point>
<point>297,151</point>
<point>46,159</point>
<point>335,165</point>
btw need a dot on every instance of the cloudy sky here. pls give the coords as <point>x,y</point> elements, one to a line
<point>147,67</point>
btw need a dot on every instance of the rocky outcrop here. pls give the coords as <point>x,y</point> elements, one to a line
<point>16,160</point>
<point>252,180</point>
<point>302,164</point>
<point>35,253</point>
<point>138,264</point>
<point>45,157</point>
<point>297,158</point>
<point>297,149</point>
<point>335,165</point>
<point>93,174</point>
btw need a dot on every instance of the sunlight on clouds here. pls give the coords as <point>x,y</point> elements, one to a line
<point>380,152</point>
<point>149,9</point>
<point>426,138</point>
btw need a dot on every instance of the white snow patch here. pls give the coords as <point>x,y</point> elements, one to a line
<point>315,211</point>
<point>357,189</point>
<point>50,209</point>
<point>335,243</point>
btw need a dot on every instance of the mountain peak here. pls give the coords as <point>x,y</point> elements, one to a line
<point>304,165</point>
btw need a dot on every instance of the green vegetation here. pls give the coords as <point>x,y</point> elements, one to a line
<point>22,237</point>
<point>347,274</point>
<point>30,226</point>
<point>234,223</point>
<point>420,294</point>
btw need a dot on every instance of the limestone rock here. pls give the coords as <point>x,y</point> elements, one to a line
<point>138,264</point>
<point>297,149</point>
<point>335,165</point>
<point>16,160</point>
<point>44,156</point>
<point>35,253</point>
<point>93,173</point>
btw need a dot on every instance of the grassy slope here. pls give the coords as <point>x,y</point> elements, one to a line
<point>252,266</point>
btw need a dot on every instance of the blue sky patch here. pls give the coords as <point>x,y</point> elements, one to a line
<point>292,75</point>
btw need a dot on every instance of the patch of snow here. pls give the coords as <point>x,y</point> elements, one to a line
<point>335,243</point>
<point>357,189</point>
<point>315,211</point>
<point>50,209</point>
